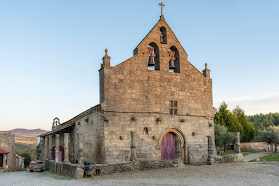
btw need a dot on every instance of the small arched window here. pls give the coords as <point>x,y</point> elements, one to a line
<point>153,61</point>
<point>163,35</point>
<point>145,130</point>
<point>174,61</point>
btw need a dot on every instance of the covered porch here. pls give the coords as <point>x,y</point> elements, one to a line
<point>3,159</point>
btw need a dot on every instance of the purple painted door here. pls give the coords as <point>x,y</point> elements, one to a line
<point>168,147</point>
<point>61,152</point>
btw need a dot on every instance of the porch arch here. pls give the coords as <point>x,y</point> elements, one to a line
<point>181,140</point>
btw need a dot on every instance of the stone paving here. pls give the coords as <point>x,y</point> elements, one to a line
<point>245,173</point>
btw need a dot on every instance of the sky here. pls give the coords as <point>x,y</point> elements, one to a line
<point>51,51</point>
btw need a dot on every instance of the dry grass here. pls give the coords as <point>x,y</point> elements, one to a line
<point>26,140</point>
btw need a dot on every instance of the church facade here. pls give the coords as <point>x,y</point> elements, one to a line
<point>154,106</point>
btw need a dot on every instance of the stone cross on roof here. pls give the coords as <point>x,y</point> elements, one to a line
<point>162,5</point>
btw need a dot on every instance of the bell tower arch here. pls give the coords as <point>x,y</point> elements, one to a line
<point>153,56</point>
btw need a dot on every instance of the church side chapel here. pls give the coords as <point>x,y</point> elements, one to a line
<point>154,106</point>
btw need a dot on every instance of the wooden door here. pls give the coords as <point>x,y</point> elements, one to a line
<point>168,147</point>
<point>1,160</point>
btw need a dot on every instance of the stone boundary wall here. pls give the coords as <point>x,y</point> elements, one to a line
<point>258,146</point>
<point>229,158</point>
<point>99,169</point>
<point>65,169</point>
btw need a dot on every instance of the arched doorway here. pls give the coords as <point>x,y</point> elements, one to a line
<point>61,153</point>
<point>168,147</point>
<point>173,145</point>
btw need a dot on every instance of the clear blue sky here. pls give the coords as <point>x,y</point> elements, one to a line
<point>50,51</point>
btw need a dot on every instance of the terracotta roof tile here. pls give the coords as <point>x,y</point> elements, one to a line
<point>2,151</point>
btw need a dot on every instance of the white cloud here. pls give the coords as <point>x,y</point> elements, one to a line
<point>252,105</point>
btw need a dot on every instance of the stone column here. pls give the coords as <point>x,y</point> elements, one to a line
<point>133,147</point>
<point>177,147</point>
<point>4,161</point>
<point>66,147</point>
<point>80,152</point>
<point>185,160</point>
<point>56,148</point>
<point>46,149</point>
<point>50,147</point>
<point>210,158</point>
<point>40,149</point>
<point>237,143</point>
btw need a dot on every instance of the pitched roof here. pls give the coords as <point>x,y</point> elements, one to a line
<point>3,151</point>
<point>72,121</point>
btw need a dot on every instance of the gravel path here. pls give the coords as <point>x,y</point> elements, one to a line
<point>255,173</point>
<point>253,156</point>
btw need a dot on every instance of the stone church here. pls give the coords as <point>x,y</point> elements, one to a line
<point>154,106</point>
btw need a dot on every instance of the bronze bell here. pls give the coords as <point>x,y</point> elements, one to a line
<point>151,61</point>
<point>172,64</point>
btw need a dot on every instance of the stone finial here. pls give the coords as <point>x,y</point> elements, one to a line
<point>106,59</point>
<point>206,71</point>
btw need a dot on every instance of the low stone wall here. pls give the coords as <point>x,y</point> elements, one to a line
<point>99,169</point>
<point>66,169</point>
<point>258,146</point>
<point>237,157</point>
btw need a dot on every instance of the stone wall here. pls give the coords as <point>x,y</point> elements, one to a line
<point>148,146</point>
<point>91,131</point>
<point>133,165</point>
<point>66,169</point>
<point>7,143</point>
<point>229,158</point>
<point>258,146</point>
<point>99,169</point>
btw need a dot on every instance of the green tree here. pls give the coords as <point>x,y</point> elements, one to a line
<point>248,129</point>
<point>270,136</point>
<point>262,122</point>
<point>227,118</point>
<point>222,136</point>
<point>27,159</point>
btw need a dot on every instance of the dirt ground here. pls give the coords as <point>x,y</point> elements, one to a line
<point>245,173</point>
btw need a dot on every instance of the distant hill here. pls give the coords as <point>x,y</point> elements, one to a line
<point>27,136</point>
<point>28,132</point>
